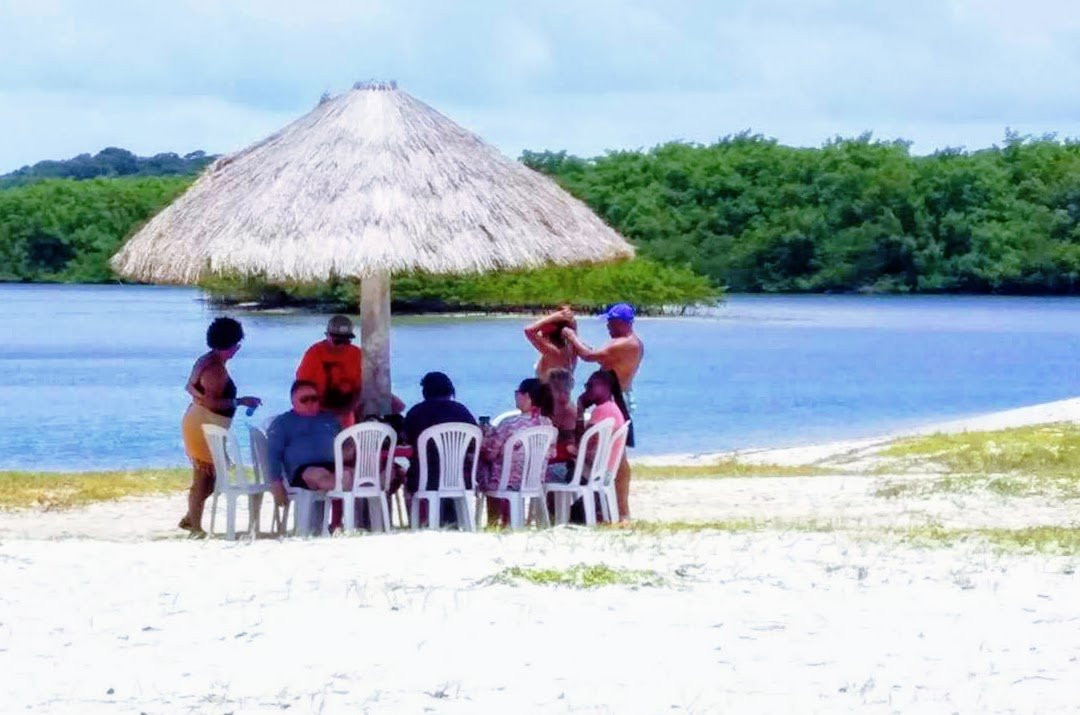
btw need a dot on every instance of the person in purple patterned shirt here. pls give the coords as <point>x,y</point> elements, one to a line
<point>533,399</point>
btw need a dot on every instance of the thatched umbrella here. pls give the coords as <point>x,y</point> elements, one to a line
<point>369,183</point>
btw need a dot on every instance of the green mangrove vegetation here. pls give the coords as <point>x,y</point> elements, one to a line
<point>65,230</point>
<point>743,214</point>
<point>645,283</point>
<point>109,162</point>
<point>853,215</point>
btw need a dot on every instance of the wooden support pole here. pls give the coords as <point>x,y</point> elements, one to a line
<point>375,342</point>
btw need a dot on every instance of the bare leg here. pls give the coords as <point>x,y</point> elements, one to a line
<point>277,489</point>
<point>622,489</point>
<point>494,512</point>
<point>202,486</point>
<point>322,479</point>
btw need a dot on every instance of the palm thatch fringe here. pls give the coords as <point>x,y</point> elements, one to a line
<point>368,182</point>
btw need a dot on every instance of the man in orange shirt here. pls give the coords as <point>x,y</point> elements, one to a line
<point>336,367</point>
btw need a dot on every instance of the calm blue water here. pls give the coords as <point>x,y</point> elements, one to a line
<point>92,377</point>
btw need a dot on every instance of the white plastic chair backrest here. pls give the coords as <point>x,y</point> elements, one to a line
<point>532,445</point>
<point>453,442</point>
<point>615,453</point>
<point>228,464</point>
<point>499,419</point>
<point>375,443</point>
<point>599,435</point>
<point>260,454</point>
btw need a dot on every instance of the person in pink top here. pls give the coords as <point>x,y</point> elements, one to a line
<point>602,394</point>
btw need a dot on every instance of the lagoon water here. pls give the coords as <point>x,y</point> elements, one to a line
<point>91,377</point>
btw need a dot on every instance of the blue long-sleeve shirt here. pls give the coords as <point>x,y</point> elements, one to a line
<point>297,441</point>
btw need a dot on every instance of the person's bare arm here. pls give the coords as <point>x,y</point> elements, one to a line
<point>563,314</point>
<point>534,332</point>
<point>606,354</point>
<point>193,380</point>
<point>542,343</point>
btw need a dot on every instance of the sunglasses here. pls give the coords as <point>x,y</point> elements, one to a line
<point>340,339</point>
<point>308,399</point>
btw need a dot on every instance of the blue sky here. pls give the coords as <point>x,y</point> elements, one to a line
<point>587,76</point>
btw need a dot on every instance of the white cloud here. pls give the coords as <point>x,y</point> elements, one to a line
<point>60,125</point>
<point>585,76</point>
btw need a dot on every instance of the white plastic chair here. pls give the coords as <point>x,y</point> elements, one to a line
<point>604,487</point>
<point>453,443</point>
<point>598,437</point>
<point>495,422</point>
<point>532,444</point>
<point>232,480</point>
<point>499,419</point>
<point>374,443</point>
<point>305,499</point>
<point>260,461</point>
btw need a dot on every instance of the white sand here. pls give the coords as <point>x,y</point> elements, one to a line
<point>842,501</point>
<point>404,623</point>
<point>106,598</point>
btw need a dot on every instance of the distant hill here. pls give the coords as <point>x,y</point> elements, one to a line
<point>109,162</point>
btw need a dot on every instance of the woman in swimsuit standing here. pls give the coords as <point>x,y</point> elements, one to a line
<point>213,401</point>
<point>546,336</point>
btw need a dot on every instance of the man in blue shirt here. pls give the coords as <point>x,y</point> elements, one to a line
<point>301,444</point>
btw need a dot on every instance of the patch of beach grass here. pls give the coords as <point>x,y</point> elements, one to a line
<point>1051,449</point>
<point>1040,460</point>
<point>725,525</point>
<point>725,468</point>
<point>1059,540</point>
<point>49,491</point>
<point>1042,539</point>
<point>579,576</point>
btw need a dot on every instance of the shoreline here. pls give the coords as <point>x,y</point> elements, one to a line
<point>1067,410</point>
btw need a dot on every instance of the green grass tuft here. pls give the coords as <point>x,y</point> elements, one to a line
<point>1041,460</point>
<point>727,525</point>
<point>579,576</point>
<point>726,468</point>
<point>1058,540</point>
<point>1052,449</point>
<point>51,490</point>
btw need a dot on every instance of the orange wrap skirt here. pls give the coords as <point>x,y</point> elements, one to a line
<point>191,428</point>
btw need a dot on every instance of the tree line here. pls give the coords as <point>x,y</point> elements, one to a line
<point>743,214</point>
<point>65,230</point>
<point>853,215</point>
<point>110,161</point>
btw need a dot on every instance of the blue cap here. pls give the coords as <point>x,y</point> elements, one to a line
<point>620,311</point>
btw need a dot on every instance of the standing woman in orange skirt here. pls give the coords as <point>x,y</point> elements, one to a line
<point>213,401</point>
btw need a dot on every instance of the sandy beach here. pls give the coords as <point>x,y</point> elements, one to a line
<point>831,452</point>
<point>824,605</point>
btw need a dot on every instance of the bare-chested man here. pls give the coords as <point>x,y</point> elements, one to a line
<point>622,355</point>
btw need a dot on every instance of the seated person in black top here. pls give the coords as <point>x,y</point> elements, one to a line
<point>438,407</point>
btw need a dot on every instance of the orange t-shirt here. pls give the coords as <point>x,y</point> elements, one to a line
<point>336,371</point>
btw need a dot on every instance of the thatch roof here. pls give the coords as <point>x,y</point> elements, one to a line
<point>370,181</point>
